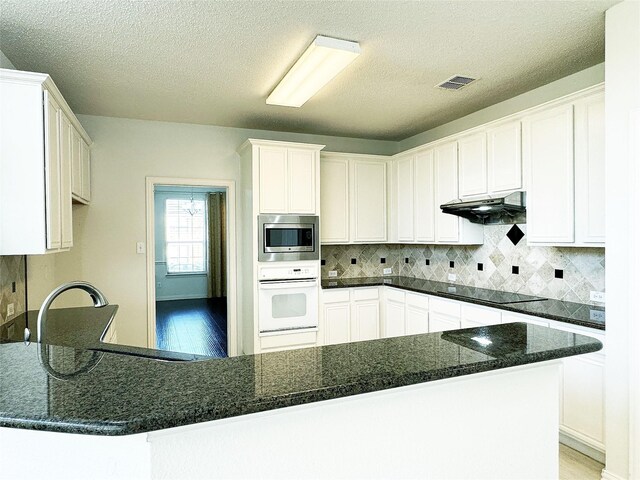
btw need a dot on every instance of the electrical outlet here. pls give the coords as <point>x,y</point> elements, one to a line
<point>452,277</point>
<point>387,271</point>
<point>333,273</point>
<point>10,309</point>
<point>597,296</point>
<point>596,315</point>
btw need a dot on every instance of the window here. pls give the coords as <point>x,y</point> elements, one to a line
<point>186,239</point>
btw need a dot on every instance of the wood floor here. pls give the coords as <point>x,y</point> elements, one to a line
<point>576,466</point>
<point>192,326</point>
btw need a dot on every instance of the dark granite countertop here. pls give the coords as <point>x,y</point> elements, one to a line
<point>64,389</point>
<point>568,312</point>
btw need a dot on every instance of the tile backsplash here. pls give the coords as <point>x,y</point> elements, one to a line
<point>12,286</point>
<point>565,273</point>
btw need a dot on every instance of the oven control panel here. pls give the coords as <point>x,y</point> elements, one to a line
<point>273,272</point>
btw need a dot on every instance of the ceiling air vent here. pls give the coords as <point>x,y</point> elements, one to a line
<point>456,82</point>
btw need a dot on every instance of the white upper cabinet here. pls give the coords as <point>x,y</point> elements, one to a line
<point>446,189</point>
<point>288,175</point>
<point>405,210</point>
<point>368,200</point>
<point>548,158</point>
<point>334,200</point>
<point>590,170</point>
<point>504,160</point>
<point>424,204</point>
<point>80,169</point>
<point>472,152</point>
<point>36,150</point>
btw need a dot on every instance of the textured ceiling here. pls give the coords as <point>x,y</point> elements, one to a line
<point>215,62</point>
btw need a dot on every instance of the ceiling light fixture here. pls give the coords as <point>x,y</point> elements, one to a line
<point>324,59</point>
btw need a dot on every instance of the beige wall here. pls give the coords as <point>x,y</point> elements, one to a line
<point>124,153</point>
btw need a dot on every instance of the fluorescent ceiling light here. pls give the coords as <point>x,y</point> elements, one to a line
<point>324,59</point>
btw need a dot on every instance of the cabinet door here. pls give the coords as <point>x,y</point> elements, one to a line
<point>334,200</point>
<point>337,323</point>
<point>86,170</point>
<point>590,170</point>
<point>365,321</point>
<point>417,320</point>
<point>76,163</point>
<point>394,312</point>
<point>504,145</point>
<point>424,206</point>
<point>369,200</point>
<point>301,173</point>
<point>273,180</point>
<point>583,399</point>
<point>472,151</point>
<point>475,316</point>
<point>66,142</point>
<point>405,199</point>
<point>52,171</point>
<point>548,157</point>
<point>446,181</point>
<point>441,323</point>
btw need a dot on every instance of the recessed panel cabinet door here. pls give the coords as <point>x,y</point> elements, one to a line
<point>394,318</point>
<point>548,158</point>
<point>446,163</point>
<point>337,323</point>
<point>472,152</point>
<point>52,169</point>
<point>365,320</point>
<point>334,200</point>
<point>504,145</point>
<point>66,141</point>
<point>301,172</point>
<point>273,180</point>
<point>369,201</point>
<point>441,323</point>
<point>590,170</point>
<point>424,206</point>
<point>405,199</point>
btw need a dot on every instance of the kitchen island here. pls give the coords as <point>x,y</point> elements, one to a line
<point>471,403</point>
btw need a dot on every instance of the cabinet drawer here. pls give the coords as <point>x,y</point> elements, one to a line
<point>417,300</point>
<point>335,296</point>
<point>365,294</point>
<point>446,307</point>
<point>480,315</point>
<point>394,294</point>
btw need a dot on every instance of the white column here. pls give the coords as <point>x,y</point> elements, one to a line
<point>622,97</point>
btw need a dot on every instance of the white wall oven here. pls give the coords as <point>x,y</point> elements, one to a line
<point>288,238</point>
<point>288,298</point>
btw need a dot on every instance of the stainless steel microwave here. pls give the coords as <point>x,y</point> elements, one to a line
<point>288,238</point>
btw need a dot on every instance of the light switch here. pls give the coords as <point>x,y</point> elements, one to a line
<point>140,247</point>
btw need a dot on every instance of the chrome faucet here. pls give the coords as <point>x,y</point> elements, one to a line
<point>99,300</point>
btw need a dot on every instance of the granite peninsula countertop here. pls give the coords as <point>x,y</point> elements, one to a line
<point>568,312</point>
<point>95,392</point>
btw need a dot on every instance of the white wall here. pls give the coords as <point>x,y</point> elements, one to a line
<point>174,287</point>
<point>622,276</point>
<point>124,153</point>
<point>559,88</point>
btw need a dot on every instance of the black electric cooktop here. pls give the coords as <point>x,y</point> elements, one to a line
<point>490,296</point>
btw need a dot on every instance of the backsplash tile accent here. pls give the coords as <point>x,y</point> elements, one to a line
<point>582,268</point>
<point>12,270</point>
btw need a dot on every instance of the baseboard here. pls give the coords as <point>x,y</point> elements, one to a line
<point>180,297</point>
<point>606,475</point>
<point>582,448</point>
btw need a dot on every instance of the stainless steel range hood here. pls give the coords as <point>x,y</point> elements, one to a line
<point>490,209</point>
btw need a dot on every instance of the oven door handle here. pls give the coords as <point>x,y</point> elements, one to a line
<point>282,284</point>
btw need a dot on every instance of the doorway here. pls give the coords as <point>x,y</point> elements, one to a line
<point>191,266</point>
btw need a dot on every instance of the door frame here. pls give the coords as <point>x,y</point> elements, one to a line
<point>233,339</point>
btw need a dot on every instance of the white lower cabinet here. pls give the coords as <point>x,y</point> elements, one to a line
<point>443,315</point>
<point>476,316</point>
<point>582,385</point>
<point>350,315</point>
